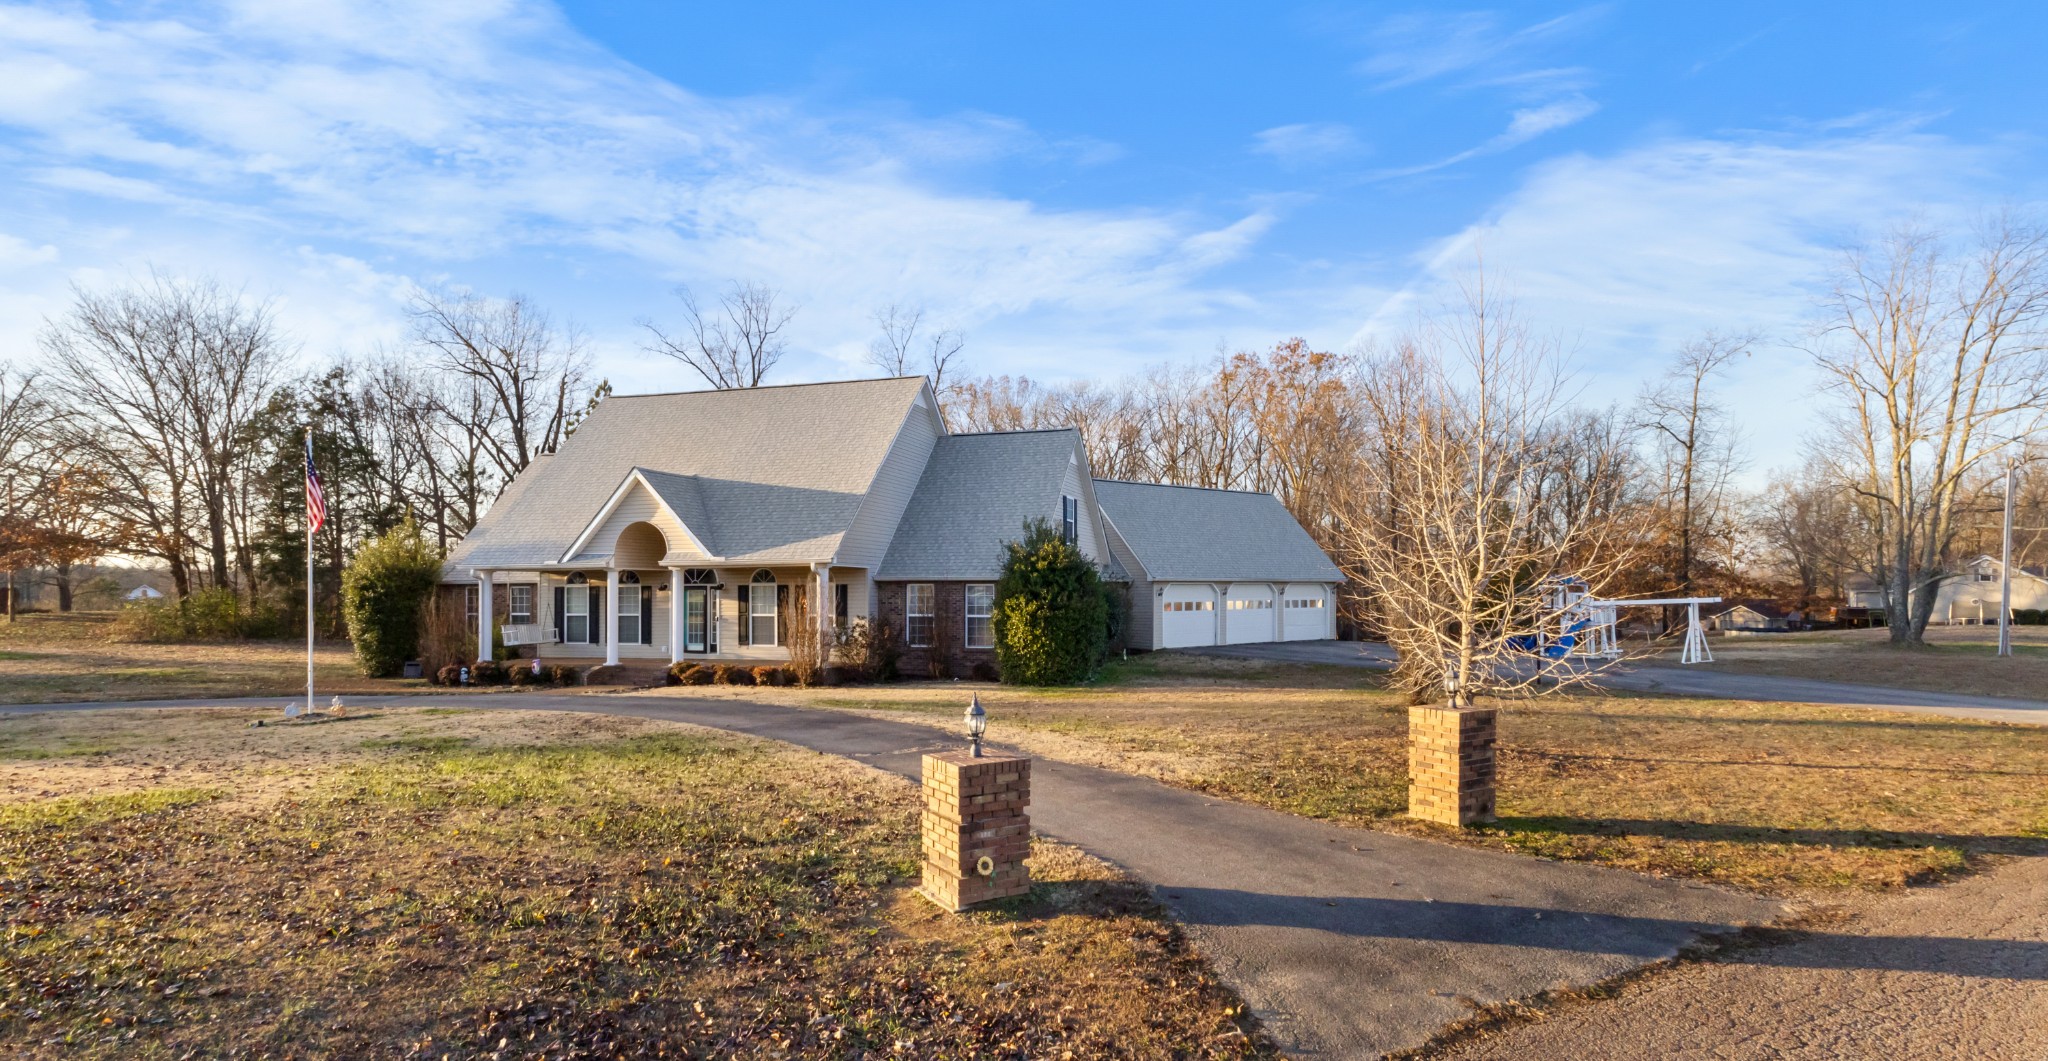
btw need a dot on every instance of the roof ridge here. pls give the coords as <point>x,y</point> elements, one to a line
<point>766,387</point>
<point>1013,431</point>
<point>1184,486</point>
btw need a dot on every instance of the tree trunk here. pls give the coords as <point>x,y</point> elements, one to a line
<point>181,578</point>
<point>64,587</point>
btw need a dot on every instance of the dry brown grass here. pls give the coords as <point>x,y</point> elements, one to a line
<point>437,883</point>
<point>1957,659</point>
<point>72,658</point>
<point>1787,798</point>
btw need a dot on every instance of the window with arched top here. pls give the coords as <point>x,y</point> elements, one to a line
<point>699,576</point>
<point>578,579</point>
<point>759,600</point>
<point>629,578</point>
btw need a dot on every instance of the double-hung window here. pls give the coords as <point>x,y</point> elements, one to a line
<point>981,610</point>
<point>920,610</point>
<point>576,611</point>
<point>470,607</point>
<point>628,621</point>
<point>1070,519</point>
<point>521,600</point>
<point>761,601</point>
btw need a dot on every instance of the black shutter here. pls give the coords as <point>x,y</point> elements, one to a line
<point>746,595</point>
<point>597,614</point>
<point>560,592</point>
<point>647,615</point>
<point>781,614</point>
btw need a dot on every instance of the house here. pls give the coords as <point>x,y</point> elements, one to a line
<point>1754,616</point>
<point>1972,594</point>
<point>708,524</point>
<point>1968,596</point>
<point>143,593</point>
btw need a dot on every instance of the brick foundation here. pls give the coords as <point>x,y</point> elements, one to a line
<point>1451,764</point>
<point>974,809</point>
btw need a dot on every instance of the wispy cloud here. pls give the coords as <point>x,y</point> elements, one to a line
<point>1523,126</point>
<point>1469,47</point>
<point>1307,143</point>
<point>468,134</point>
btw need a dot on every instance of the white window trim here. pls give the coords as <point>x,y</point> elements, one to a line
<point>967,615</point>
<point>570,596</point>
<point>931,591</point>
<point>755,613</point>
<point>514,615</point>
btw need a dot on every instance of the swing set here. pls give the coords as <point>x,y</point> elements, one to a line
<point>1578,624</point>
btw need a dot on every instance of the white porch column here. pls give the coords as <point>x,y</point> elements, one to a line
<point>611,618</point>
<point>675,615</point>
<point>483,615</point>
<point>824,605</point>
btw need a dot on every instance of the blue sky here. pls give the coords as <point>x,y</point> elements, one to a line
<point>1083,189</point>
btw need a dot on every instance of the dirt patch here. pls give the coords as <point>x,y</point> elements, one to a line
<point>428,883</point>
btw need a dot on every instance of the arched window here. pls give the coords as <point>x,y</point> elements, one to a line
<point>578,579</point>
<point>629,578</point>
<point>699,576</point>
<point>759,599</point>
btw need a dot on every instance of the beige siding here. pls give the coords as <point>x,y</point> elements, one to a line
<point>641,506</point>
<point>1144,617</point>
<point>867,539</point>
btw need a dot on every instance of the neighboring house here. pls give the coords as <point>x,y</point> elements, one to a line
<point>1751,616</point>
<point>701,525</point>
<point>1972,595</point>
<point>143,593</point>
<point>1968,596</point>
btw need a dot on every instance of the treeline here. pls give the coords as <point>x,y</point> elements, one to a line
<point>164,421</point>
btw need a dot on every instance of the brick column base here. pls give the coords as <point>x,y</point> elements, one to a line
<point>976,834</point>
<point>1451,764</point>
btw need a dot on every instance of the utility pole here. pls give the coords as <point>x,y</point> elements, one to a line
<point>2005,569</point>
<point>10,552</point>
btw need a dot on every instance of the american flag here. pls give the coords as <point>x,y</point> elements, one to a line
<point>316,499</point>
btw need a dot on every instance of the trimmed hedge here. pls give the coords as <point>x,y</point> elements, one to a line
<point>1052,611</point>
<point>381,592</point>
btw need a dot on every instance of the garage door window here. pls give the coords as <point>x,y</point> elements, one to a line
<point>1190,606</point>
<point>1304,602</point>
<point>1249,605</point>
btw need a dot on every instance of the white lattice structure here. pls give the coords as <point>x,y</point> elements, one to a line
<point>1578,624</point>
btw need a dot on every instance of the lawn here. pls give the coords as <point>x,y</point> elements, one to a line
<point>1786,798</point>
<point>1957,659</point>
<point>71,658</point>
<point>439,883</point>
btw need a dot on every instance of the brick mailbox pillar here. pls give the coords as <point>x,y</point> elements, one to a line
<point>976,834</point>
<point>1451,764</point>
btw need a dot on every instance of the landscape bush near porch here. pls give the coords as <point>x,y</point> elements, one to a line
<point>1052,611</point>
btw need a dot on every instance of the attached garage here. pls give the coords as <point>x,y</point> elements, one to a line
<point>1305,613</point>
<point>1188,616</point>
<point>1248,614</point>
<point>1210,565</point>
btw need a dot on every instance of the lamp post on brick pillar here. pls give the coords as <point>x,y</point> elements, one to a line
<point>1451,760</point>
<point>975,831</point>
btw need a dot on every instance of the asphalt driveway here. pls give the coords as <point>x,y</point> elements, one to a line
<point>1700,680</point>
<point>1347,943</point>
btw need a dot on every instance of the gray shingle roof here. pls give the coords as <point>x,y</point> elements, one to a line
<point>976,494</point>
<point>773,474</point>
<point>1187,533</point>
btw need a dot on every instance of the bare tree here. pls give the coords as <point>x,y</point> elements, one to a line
<point>1939,364</point>
<point>1808,529</point>
<point>734,344</point>
<point>1696,446</point>
<point>523,378</point>
<point>1446,527</point>
<point>906,347</point>
<point>27,417</point>
<point>164,379</point>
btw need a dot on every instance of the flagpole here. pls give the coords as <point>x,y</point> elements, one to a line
<point>309,575</point>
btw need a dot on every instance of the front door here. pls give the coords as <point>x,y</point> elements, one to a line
<point>696,613</point>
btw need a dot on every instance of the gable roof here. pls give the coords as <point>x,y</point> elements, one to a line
<point>976,493</point>
<point>676,493</point>
<point>1186,533</point>
<point>766,474</point>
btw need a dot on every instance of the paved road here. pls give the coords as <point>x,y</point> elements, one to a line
<point>1697,680</point>
<point>1954,972</point>
<point>1347,943</point>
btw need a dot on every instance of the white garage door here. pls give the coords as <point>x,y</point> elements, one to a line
<point>1306,613</point>
<point>1248,614</point>
<point>1189,618</point>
